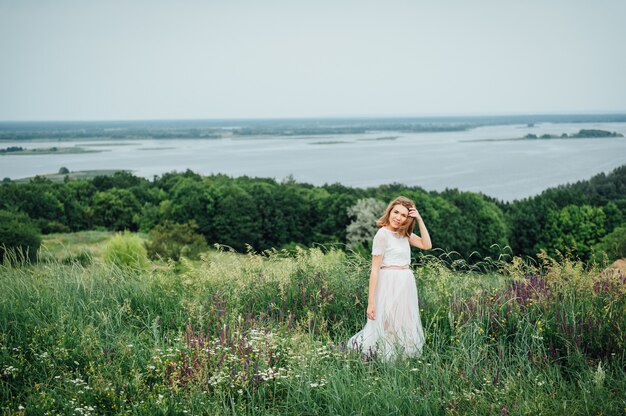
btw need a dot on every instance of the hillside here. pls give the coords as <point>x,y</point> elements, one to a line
<point>265,334</point>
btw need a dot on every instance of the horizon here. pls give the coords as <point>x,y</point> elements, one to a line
<point>336,117</point>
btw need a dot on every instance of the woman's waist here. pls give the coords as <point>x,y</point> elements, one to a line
<point>394,267</point>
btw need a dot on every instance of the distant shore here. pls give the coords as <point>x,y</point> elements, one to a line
<point>582,134</point>
<point>19,151</point>
<point>217,129</point>
<point>83,174</point>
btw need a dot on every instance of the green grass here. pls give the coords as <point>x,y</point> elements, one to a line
<point>263,334</point>
<point>82,247</point>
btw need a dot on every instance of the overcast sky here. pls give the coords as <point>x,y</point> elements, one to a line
<point>110,59</point>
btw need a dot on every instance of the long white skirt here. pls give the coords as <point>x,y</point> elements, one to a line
<point>397,329</point>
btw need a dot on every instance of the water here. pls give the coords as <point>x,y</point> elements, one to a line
<point>506,170</point>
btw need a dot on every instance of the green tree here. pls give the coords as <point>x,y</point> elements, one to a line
<point>479,224</point>
<point>527,221</point>
<point>190,200</point>
<point>39,199</point>
<point>332,208</point>
<point>270,215</point>
<point>235,221</point>
<point>574,229</point>
<point>115,209</point>
<point>614,216</point>
<point>76,199</point>
<point>613,245</point>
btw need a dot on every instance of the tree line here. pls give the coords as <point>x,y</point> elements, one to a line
<point>263,213</point>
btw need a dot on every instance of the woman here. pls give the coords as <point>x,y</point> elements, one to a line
<point>393,324</point>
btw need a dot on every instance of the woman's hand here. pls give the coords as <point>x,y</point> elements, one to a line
<point>414,213</point>
<point>371,311</point>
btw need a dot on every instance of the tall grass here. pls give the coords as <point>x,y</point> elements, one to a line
<point>265,334</point>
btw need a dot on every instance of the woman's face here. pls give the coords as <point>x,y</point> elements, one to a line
<point>398,216</point>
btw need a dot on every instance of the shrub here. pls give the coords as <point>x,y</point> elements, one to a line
<point>613,244</point>
<point>51,226</point>
<point>126,251</point>
<point>171,241</point>
<point>362,229</point>
<point>18,234</point>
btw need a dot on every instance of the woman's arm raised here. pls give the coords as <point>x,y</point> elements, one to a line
<point>423,241</point>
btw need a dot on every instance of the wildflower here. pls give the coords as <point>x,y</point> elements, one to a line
<point>9,370</point>
<point>599,375</point>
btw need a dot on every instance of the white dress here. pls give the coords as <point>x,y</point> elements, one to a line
<point>397,329</point>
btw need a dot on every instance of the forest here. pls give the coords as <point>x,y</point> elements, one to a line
<point>582,220</point>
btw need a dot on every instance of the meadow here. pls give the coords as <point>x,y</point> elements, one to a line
<point>264,334</point>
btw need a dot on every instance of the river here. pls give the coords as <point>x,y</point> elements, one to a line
<point>469,160</point>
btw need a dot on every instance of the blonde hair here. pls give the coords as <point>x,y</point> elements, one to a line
<point>406,228</point>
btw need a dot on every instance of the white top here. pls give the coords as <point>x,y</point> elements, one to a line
<point>396,250</point>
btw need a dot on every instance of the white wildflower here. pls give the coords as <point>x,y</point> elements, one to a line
<point>599,375</point>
